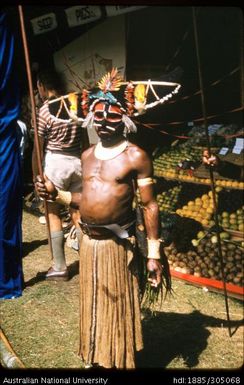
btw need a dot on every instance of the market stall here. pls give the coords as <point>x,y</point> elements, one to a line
<point>178,128</point>
<point>184,193</point>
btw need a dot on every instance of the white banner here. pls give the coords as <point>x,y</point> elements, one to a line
<point>82,14</point>
<point>44,23</point>
<point>86,59</point>
<point>113,10</point>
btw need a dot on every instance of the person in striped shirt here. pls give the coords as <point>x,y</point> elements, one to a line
<point>62,141</point>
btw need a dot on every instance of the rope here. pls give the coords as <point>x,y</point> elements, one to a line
<point>180,45</point>
<point>150,125</point>
<point>242,65</point>
<point>214,83</point>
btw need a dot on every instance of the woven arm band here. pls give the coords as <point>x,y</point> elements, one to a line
<point>64,197</point>
<point>153,248</point>
<point>144,181</point>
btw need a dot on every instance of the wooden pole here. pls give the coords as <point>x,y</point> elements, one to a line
<point>242,65</point>
<point>33,107</point>
<point>9,356</point>
<point>210,168</point>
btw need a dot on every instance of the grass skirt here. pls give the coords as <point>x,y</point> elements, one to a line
<point>110,323</point>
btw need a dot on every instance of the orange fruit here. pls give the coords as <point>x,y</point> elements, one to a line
<point>205,197</point>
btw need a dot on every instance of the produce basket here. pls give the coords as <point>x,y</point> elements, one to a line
<point>201,264</point>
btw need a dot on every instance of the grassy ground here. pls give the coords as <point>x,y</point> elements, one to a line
<point>188,331</point>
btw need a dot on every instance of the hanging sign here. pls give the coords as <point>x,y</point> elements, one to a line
<point>44,23</point>
<point>223,151</point>
<point>82,14</point>
<point>239,146</point>
<point>113,10</point>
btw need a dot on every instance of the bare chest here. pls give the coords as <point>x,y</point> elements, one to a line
<point>115,170</point>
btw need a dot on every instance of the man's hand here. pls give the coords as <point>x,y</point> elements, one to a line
<point>209,159</point>
<point>45,189</point>
<point>155,269</point>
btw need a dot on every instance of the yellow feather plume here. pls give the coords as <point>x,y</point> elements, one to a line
<point>140,93</point>
<point>110,82</point>
<point>73,101</point>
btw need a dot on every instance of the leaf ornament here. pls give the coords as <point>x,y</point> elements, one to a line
<point>129,98</point>
<point>85,101</point>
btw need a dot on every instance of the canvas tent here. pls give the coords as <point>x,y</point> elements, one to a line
<point>152,41</point>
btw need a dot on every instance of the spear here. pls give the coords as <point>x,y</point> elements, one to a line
<point>33,107</point>
<point>210,169</point>
<point>8,355</point>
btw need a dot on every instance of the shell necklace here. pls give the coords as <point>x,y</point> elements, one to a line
<point>107,153</point>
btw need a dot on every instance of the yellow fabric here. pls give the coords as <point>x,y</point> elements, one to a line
<point>64,197</point>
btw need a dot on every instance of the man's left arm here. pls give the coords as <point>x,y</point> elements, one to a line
<point>151,217</point>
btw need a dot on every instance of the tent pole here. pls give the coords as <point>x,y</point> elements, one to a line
<point>241,65</point>
<point>210,168</point>
<point>33,107</point>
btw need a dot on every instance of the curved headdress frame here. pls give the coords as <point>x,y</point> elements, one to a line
<point>135,93</point>
<point>134,98</point>
<point>141,106</point>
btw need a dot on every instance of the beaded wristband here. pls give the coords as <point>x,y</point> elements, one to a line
<point>64,197</point>
<point>144,181</point>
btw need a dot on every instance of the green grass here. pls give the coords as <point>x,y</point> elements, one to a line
<point>189,330</point>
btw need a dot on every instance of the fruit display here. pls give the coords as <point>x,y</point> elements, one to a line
<point>233,221</point>
<point>201,209</point>
<point>203,260</point>
<point>232,184</point>
<point>168,200</point>
<point>230,209</point>
<point>186,203</point>
<point>169,160</point>
<point>182,162</point>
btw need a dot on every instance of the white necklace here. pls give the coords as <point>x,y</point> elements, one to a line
<point>106,153</point>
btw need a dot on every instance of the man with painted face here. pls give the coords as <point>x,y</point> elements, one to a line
<point>110,322</point>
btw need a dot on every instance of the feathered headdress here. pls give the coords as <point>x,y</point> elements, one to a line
<point>135,98</point>
<point>110,82</point>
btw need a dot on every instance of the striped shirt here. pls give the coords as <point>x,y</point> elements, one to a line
<point>62,135</point>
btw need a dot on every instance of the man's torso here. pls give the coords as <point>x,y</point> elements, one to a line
<point>108,190</point>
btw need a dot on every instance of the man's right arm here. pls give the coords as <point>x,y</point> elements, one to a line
<point>46,190</point>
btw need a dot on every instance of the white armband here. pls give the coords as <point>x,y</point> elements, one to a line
<point>64,197</point>
<point>144,181</point>
<point>153,248</point>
